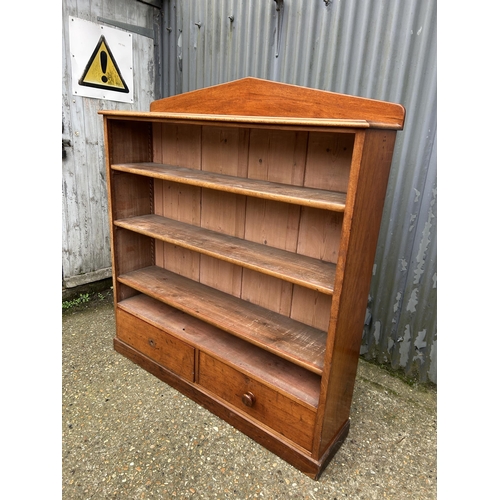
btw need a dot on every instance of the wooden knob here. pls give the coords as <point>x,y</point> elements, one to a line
<point>248,399</point>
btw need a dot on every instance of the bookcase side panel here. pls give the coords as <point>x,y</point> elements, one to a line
<point>132,251</point>
<point>366,201</point>
<point>129,141</point>
<point>131,195</point>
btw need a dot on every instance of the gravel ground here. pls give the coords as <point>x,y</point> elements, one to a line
<point>127,435</point>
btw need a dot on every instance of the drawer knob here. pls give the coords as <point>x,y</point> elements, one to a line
<point>248,399</point>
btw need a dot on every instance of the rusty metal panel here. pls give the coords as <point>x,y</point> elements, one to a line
<point>401,318</point>
<point>383,49</point>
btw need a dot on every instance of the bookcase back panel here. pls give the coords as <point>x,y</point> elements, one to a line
<point>319,234</point>
<point>272,223</point>
<point>277,156</point>
<point>216,273</point>
<point>329,159</point>
<point>303,230</point>
<point>177,144</point>
<point>312,159</point>
<point>223,212</point>
<point>221,275</point>
<point>311,307</point>
<point>225,150</point>
<point>299,303</point>
<point>178,260</point>
<point>178,201</point>
<point>267,291</point>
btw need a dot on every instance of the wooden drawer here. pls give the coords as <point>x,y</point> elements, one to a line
<point>170,352</point>
<point>283,414</point>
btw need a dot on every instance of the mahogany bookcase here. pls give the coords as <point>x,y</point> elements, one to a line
<point>244,222</point>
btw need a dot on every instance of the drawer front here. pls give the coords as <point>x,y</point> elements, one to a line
<point>272,408</point>
<point>168,351</point>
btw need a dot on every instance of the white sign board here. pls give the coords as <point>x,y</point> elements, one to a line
<point>101,61</point>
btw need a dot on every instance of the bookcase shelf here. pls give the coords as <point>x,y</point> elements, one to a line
<point>300,344</point>
<point>308,197</point>
<point>292,267</point>
<point>243,234</point>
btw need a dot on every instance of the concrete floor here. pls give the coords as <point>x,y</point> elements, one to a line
<point>127,435</point>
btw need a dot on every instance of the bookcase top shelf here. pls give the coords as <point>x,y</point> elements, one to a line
<point>234,120</point>
<point>297,195</point>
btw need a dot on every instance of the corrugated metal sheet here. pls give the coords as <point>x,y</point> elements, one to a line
<point>85,236</point>
<point>382,49</point>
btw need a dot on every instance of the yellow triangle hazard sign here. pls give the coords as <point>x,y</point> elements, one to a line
<point>101,71</point>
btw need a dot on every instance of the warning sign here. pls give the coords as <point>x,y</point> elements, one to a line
<point>101,61</point>
<point>102,72</point>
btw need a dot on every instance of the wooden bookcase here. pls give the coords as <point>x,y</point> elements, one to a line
<point>244,221</point>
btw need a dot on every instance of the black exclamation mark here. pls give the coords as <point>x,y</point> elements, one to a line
<point>104,64</point>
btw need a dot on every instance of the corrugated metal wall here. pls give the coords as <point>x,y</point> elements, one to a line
<point>85,233</point>
<point>382,49</point>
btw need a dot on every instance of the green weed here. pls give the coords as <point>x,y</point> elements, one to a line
<point>82,299</point>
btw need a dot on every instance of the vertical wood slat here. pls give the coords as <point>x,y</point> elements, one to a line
<point>319,234</point>
<point>311,307</point>
<point>266,291</point>
<point>272,223</point>
<point>277,156</point>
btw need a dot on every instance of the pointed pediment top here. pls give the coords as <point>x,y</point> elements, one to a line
<point>257,97</point>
